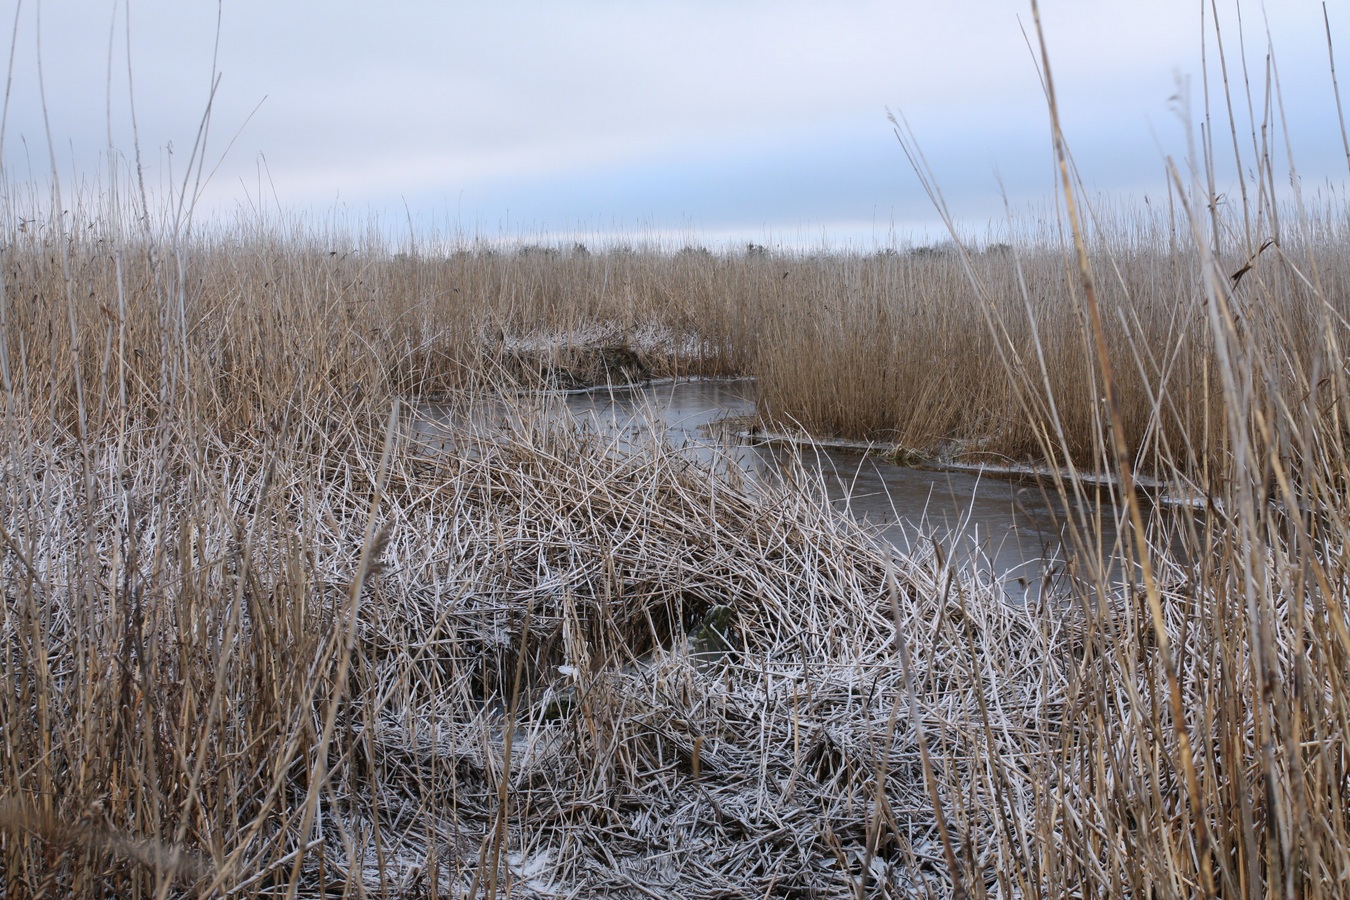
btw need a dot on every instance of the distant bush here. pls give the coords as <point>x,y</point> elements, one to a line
<point>697,252</point>
<point>932,251</point>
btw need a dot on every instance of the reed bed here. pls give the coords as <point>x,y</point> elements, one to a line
<point>892,347</point>
<point>238,671</point>
<point>264,634</point>
<point>263,637</point>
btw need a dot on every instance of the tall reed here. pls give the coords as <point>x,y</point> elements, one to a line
<point>1201,747</point>
<point>260,640</point>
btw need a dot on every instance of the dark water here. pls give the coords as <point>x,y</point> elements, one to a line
<point>1005,529</point>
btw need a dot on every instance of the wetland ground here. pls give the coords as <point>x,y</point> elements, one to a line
<point>258,639</point>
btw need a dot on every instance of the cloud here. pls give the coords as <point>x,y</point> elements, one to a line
<point>720,112</point>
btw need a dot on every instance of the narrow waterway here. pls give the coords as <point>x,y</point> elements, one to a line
<point>1006,528</point>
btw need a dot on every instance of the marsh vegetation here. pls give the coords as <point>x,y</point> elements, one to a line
<point>258,640</point>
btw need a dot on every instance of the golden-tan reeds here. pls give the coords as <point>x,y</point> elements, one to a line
<point>512,695</point>
<point>259,639</point>
<point>1203,745</point>
<point>206,689</point>
<point>900,347</point>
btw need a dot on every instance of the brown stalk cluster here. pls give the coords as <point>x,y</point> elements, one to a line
<point>261,637</point>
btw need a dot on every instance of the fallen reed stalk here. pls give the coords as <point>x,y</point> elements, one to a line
<point>559,661</point>
<point>230,642</point>
<point>180,553</point>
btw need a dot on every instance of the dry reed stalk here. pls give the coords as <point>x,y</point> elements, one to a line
<point>890,346</point>
<point>210,682</point>
<point>631,547</point>
<point>211,561</point>
<point>1200,740</point>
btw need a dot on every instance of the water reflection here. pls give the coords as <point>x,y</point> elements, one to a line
<point>1008,530</point>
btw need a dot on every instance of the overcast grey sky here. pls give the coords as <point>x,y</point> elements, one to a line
<point>693,118</point>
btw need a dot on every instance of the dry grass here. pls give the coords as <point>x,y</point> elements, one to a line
<point>892,347</point>
<point>229,669</point>
<point>983,354</point>
<point>260,641</point>
<point>175,654</point>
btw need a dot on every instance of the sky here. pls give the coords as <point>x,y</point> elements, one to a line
<point>675,121</point>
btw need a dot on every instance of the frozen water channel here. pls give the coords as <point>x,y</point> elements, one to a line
<point>1004,527</point>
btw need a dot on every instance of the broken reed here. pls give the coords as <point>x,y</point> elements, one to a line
<point>192,439</point>
<point>504,661</point>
